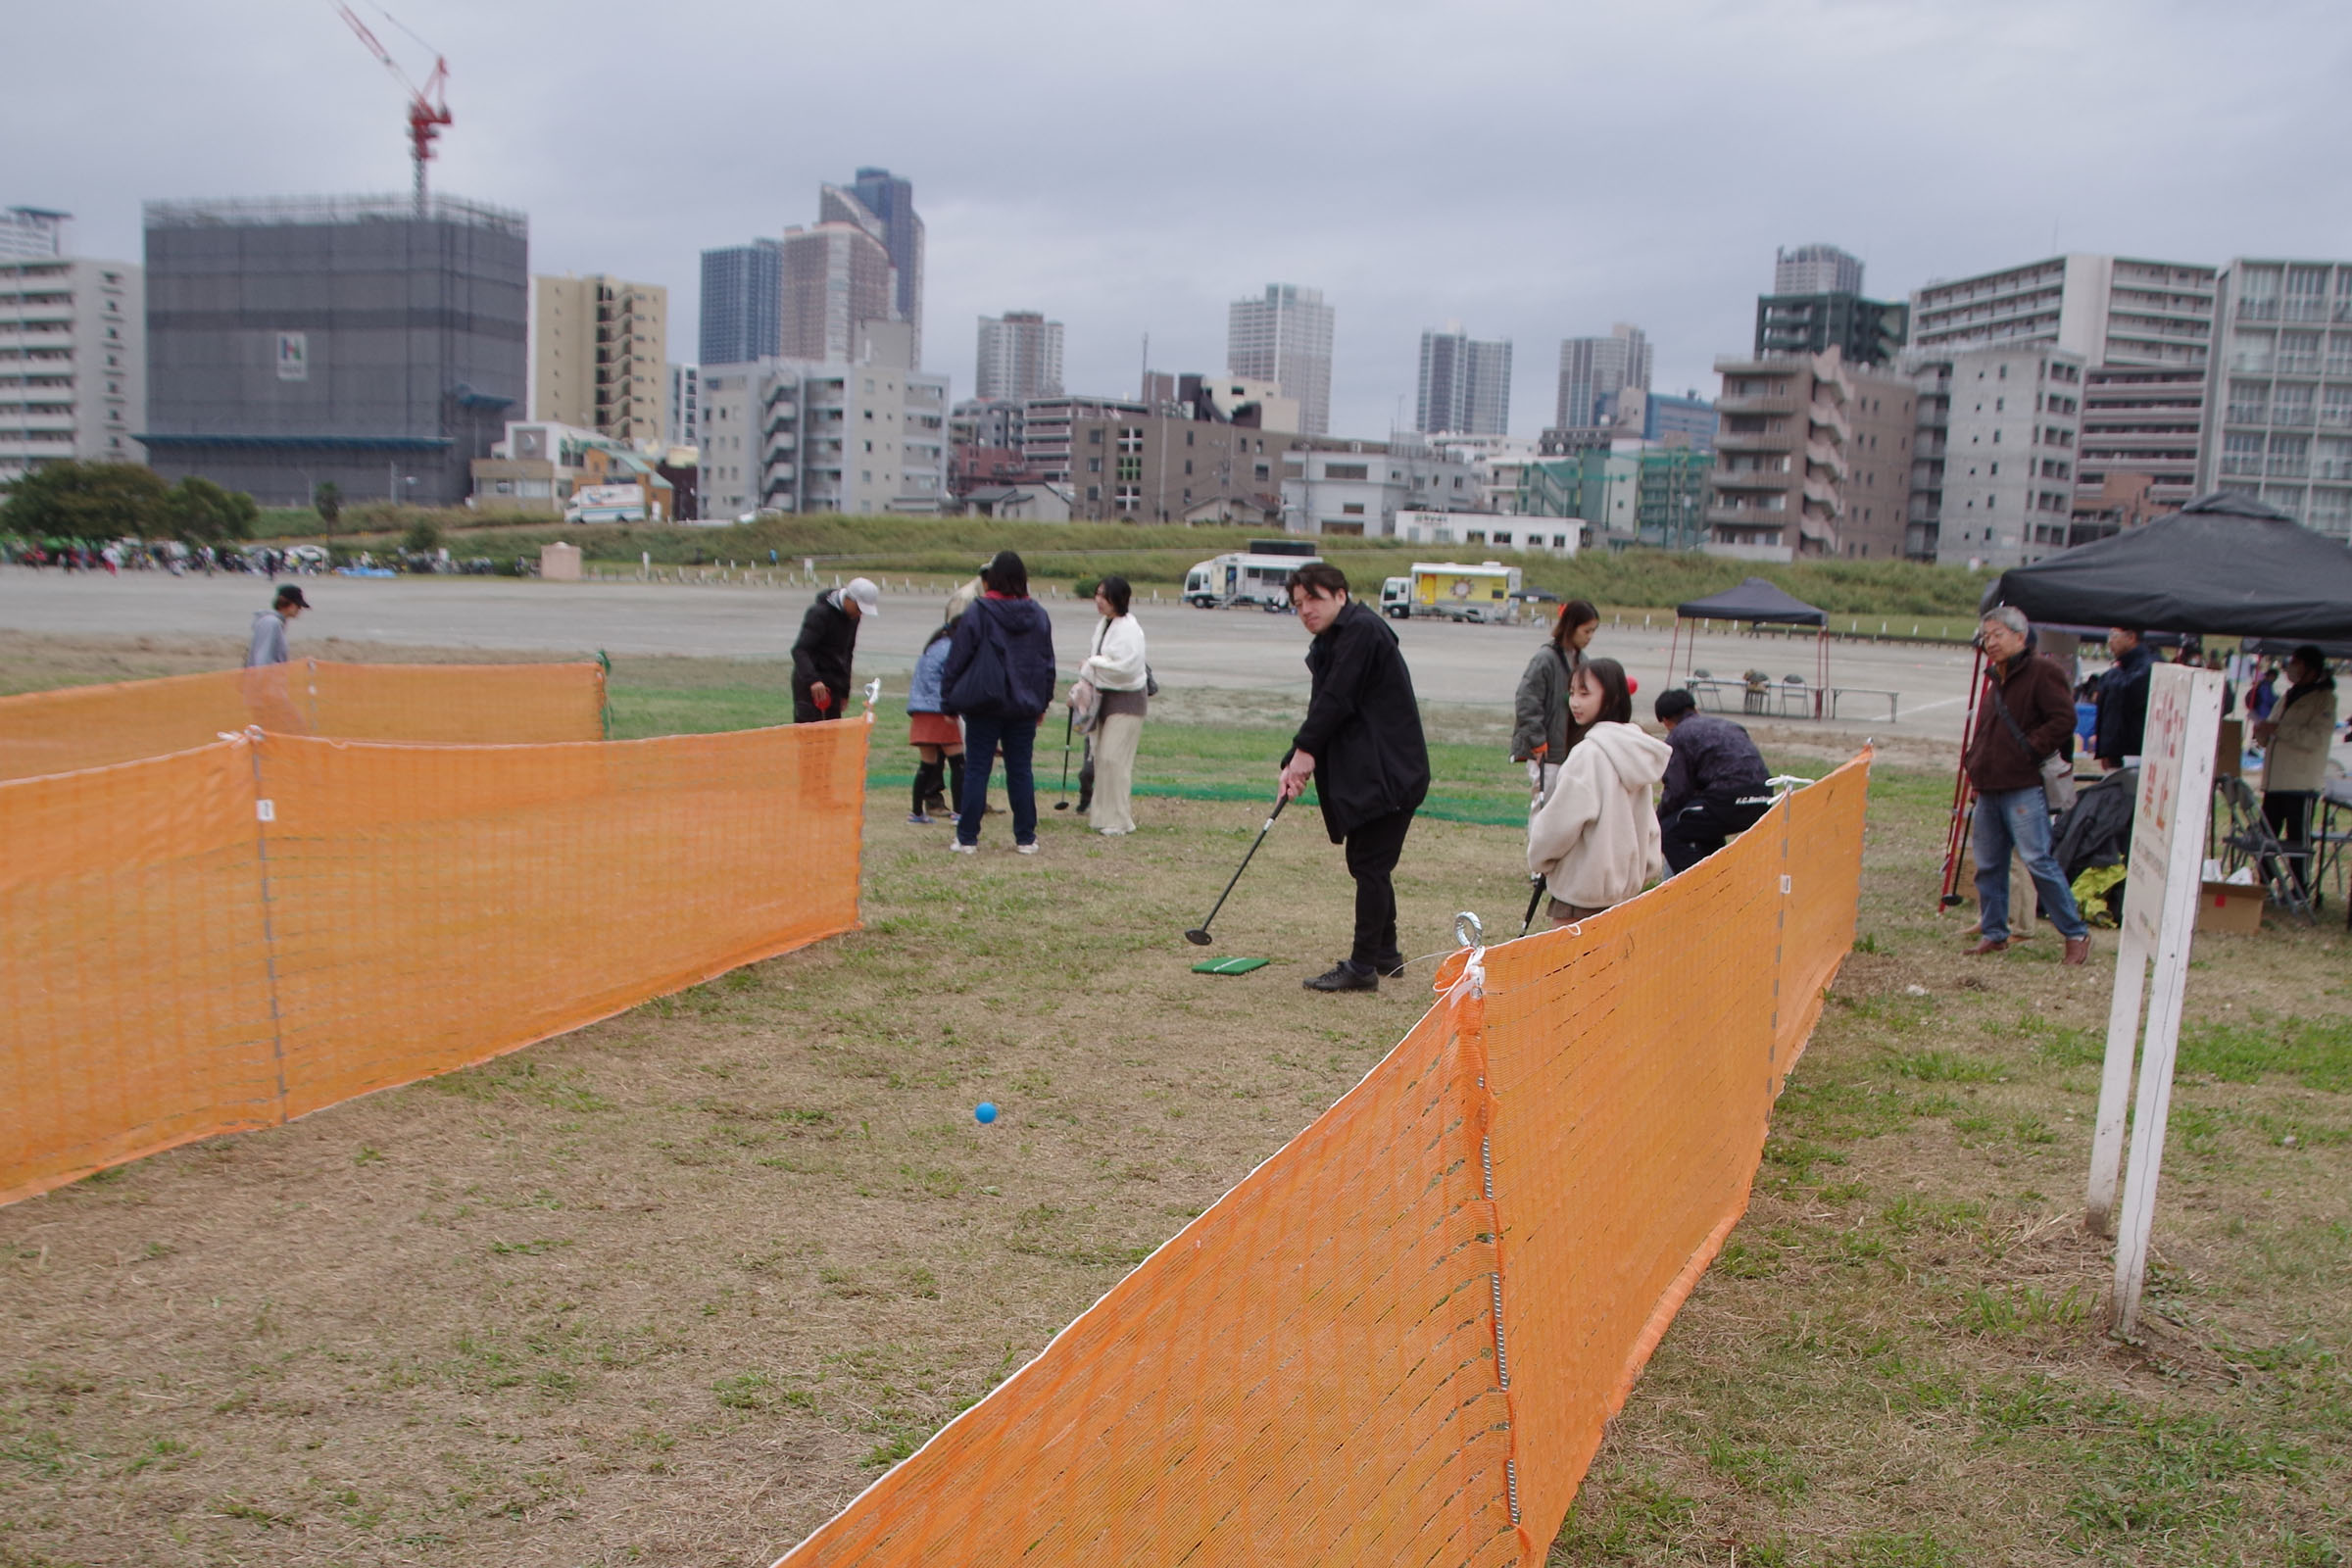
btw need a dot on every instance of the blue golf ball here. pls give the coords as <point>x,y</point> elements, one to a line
<point>985,1111</point>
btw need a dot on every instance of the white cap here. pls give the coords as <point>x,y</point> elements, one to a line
<point>867,596</point>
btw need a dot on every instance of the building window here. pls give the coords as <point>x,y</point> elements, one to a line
<point>1351,509</point>
<point>1094,437</point>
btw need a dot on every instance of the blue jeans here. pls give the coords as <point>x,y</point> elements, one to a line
<point>983,734</point>
<point>2019,820</point>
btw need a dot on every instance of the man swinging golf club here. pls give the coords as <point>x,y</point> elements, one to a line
<point>1361,745</point>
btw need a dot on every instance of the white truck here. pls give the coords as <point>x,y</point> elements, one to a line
<point>1486,592</point>
<point>1243,578</point>
<point>606,502</point>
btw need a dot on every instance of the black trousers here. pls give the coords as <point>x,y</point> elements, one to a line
<point>2287,812</point>
<point>1373,849</point>
<point>1700,827</point>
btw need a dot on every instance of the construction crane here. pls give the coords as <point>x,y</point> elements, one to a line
<point>428,108</point>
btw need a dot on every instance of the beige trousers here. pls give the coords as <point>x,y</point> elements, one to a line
<point>1116,739</point>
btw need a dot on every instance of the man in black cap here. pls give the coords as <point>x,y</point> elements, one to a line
<point>1714,783</point>
<point>828,641</point>
<point>269,645</point>
<point>1361,745</point>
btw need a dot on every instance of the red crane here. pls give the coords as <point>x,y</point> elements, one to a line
<point>428,109</point>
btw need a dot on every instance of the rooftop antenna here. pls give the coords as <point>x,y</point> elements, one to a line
<point>429,105</point>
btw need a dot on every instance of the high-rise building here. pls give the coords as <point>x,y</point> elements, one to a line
<point>1020,356</point>
<point>600,355</point>
<point>791,435</point>
<point>685,405</point>
<point>1813,459</point>
<point>2278,409</point>
<point>2123,317</point>
<point>1465,385</point>
<point>1286,338</point>
<point>1816,269</point>
<point>31,234</point>
<point>836,286</point>
<point>72,355</point>
<point>743,303</point>
<point>1594,370</point>
<point>1864,331</point>
<point>1993,455</point>
<point>892,200</point>
<point>356,340</point>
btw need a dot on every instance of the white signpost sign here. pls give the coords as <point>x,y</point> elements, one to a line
<point>2160,911</point>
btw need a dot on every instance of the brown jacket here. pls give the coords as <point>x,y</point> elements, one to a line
<point>2036,692</point>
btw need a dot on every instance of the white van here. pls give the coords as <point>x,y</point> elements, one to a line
<point>1243,578</point>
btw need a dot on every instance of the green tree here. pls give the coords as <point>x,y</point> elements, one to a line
<point>423,538</point>
<point>199,512</point>
<point>85,501</point>
<point>328,501</point>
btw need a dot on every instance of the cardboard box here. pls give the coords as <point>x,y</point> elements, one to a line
<point>2234,907</point>
<point>2229,751</point>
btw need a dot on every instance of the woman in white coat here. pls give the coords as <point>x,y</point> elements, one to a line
<point>1118,675</point>
<point>1595,840</point>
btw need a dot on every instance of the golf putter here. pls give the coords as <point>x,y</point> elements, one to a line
<point>1069,717</point>
<point>1199,936</point>
<point>1534,898</point>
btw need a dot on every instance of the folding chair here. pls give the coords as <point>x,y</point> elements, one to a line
<point>2247,840</point>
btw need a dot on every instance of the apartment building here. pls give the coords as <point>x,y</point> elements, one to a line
<point>1286,338</point>
<point>1465,384</point>
<point>2278,405</point>
<point>1336,486</point>
<point>599,351</point>
<point>1020,356</point>
<point>2124,317</point>
<point>794,435</point>
<point>1125,460</point>
<point>743,303</point>
<point>1813,459</point>
<point>836,280</point>
<point>1594,370</point>
<point>1632,493</point>
<point>685,405</point>
<point>1994,455</point>
<point>73,356</point>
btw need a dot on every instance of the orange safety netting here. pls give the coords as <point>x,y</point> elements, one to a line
<point>1400,1340</point>
<point>251,930</point>
<point>96,726</point>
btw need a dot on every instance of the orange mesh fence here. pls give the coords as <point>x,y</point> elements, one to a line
<point>1400,1340</point>
<point>97,726</point>
<point>248,931</point>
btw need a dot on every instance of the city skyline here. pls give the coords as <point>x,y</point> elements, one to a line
<point>1092,247</point>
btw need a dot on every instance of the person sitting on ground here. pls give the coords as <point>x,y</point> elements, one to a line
<point>269,645</point>
<point>2295,740</point>
<point>937,739</point>
<point>1595,840</point>
<point>827,643</point>
<point>998,679</point>
<point>1541,731</point>
<point>2122,699</point>
<point>2022,719</point>
<point>1363,747</point>
<point>1715,782</point>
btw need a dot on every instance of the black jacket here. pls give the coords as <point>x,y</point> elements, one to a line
<point>1363,725</point>
<point>827,643</point>
<point>999,661</point>
<point>1712,756</point>
<point>2123,706</point>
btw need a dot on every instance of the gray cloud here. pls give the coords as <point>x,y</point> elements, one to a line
<point>1532,170</point>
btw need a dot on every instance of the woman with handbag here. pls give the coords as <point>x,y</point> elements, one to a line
<point>1113,684</point>
<point>998,679</point>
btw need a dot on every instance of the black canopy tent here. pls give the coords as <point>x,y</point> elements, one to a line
<point>1756,599</point>
<point>2222,565</point>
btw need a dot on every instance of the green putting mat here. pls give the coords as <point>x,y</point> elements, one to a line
<point>1228,965</point>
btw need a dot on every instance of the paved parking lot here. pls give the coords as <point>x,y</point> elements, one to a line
<point>1237,649</point>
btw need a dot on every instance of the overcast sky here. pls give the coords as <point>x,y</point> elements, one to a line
<point>1534,170</point>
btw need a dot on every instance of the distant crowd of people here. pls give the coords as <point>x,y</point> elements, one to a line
<point>119,557</point>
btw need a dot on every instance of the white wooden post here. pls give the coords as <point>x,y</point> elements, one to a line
<point>2160,911</point>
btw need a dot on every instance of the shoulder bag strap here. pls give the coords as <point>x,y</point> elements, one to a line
<point>2016,731</point>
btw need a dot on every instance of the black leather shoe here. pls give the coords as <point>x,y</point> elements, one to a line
<point>1344,976</point>
<point>1390,971</point>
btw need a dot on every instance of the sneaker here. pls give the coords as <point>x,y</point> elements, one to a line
<point>959,847</point>
<point>1344,976</point>
<point>1117,832</point>
<point>918,819</point>
<point>1029,848</point>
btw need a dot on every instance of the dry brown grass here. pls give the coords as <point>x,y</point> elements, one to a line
<point>673,1288</point>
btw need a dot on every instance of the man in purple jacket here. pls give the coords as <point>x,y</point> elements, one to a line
<point>2025,715</point>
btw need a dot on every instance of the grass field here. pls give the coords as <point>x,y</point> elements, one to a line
<point>673,1288</point>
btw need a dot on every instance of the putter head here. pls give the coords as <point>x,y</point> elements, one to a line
<point>1198,936</point>
<point>1061,805</point>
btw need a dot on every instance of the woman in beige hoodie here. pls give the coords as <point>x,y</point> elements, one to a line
<point>1596,841</point>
